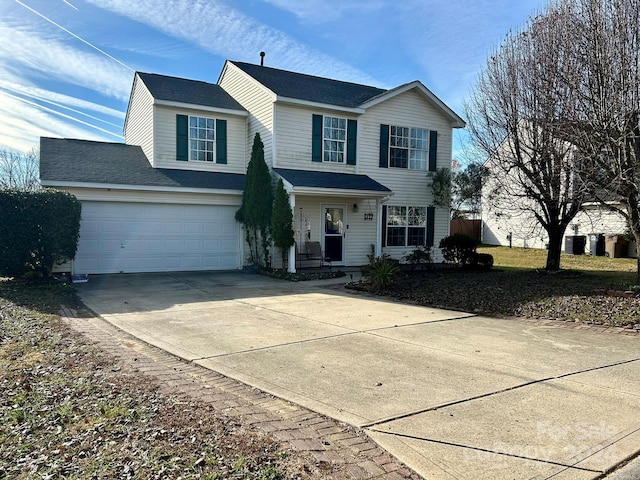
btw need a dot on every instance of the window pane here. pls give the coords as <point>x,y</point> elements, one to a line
<point>418,160</point>
<point>395,236</point>
<point>398,157</point>
<point>417,216</point>
<point>416,236</point>
<point>399,137</point>
<point>419,139</point>
<point>396,215</point>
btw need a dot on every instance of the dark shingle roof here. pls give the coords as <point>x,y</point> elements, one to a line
<point>330,180</point>
<point>65,160</point>
<point>194,92</point>
<point>307,87</point>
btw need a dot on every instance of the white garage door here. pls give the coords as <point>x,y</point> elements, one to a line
<point>147,237</point>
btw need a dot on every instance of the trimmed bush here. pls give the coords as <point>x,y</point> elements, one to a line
<point>458,248</point>
<point>419,258</point>
<point>380,272</point>
<point>38,229</point>
<point>482,261</point>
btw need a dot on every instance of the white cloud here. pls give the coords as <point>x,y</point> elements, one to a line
<point>59,98</point>
<point>24,123</point>
<point>322,11</point>
<point>25,49</point>
<point>220,29</point>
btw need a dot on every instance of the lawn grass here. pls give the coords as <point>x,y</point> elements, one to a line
<point>531,258</point>
<point>70,411</point>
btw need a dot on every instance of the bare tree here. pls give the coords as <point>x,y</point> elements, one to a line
<point>512,113</point>
<point>605,122</point>
<point>19,170</point>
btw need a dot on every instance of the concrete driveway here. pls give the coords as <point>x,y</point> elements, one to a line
<point>453,395</point>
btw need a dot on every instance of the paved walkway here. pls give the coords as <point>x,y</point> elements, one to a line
<point>450,394</point>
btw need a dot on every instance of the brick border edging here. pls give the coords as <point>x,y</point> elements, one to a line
<point>339,450</point>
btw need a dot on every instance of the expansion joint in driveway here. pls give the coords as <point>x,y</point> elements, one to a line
<point>496,392</point>
<point>270,347</point>
<point>488,451</point>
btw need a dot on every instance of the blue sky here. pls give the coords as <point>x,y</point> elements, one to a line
<point>66,66</point>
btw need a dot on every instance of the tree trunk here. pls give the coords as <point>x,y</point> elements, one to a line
<point>636,236</point>
<point>555,249</point>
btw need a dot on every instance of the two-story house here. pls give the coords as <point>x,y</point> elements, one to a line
<point>355,160</point>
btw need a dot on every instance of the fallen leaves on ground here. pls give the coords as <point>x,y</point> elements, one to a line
<point>70,411</point>
<point>565,295</point>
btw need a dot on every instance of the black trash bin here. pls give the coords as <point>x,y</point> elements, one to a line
<point>597,244</point>
<point>574,245</point>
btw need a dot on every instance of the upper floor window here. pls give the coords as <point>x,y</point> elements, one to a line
<point>202,135</point>
<point>334,139</point>
<point>406,147</point>
<point>201,139</point>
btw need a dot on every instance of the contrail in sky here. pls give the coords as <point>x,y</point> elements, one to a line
<point>71,5</point>
<point>73,34</point>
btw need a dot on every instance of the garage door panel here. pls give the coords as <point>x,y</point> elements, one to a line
<point>130,237</point>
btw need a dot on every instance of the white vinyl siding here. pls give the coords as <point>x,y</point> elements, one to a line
<point>139,123</point>
<point>258,101</point>
<point>293,133</point>
<point>410,187</point>
<point>166,141</point>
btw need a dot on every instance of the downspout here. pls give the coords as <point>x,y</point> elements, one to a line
<point>377,250</point>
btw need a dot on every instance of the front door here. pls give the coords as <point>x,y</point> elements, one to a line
<point>334,233</point>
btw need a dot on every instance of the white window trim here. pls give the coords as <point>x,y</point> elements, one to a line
<point>190,139</point>
<point>344,142</point>
<point>409,149</point>
<point>406,226</point>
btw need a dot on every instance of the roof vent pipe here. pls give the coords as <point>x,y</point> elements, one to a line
<point>262,54</point>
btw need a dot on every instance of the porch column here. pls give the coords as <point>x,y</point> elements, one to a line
<point>292,250</point>
<point>378,244</point>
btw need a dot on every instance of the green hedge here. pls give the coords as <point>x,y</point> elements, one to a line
<point>458,248</point>
<point>38,229</point>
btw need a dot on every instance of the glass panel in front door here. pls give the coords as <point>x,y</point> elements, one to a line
<point>333,233</point>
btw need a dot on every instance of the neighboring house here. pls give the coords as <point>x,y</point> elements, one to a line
<point>354,159</point>
<point>508,218</point>
<point>523,230</point>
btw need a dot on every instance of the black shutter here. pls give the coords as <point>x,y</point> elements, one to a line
<point>384,146</point>
<point>221,141</point>
<point>384,226</point>
<point>431,220</point>
<point>433,150</point>
<point>352,132</point>
<point>316,139</point>
<point>182,137</point>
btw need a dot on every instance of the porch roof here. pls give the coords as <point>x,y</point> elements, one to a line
<point>331,183</point>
